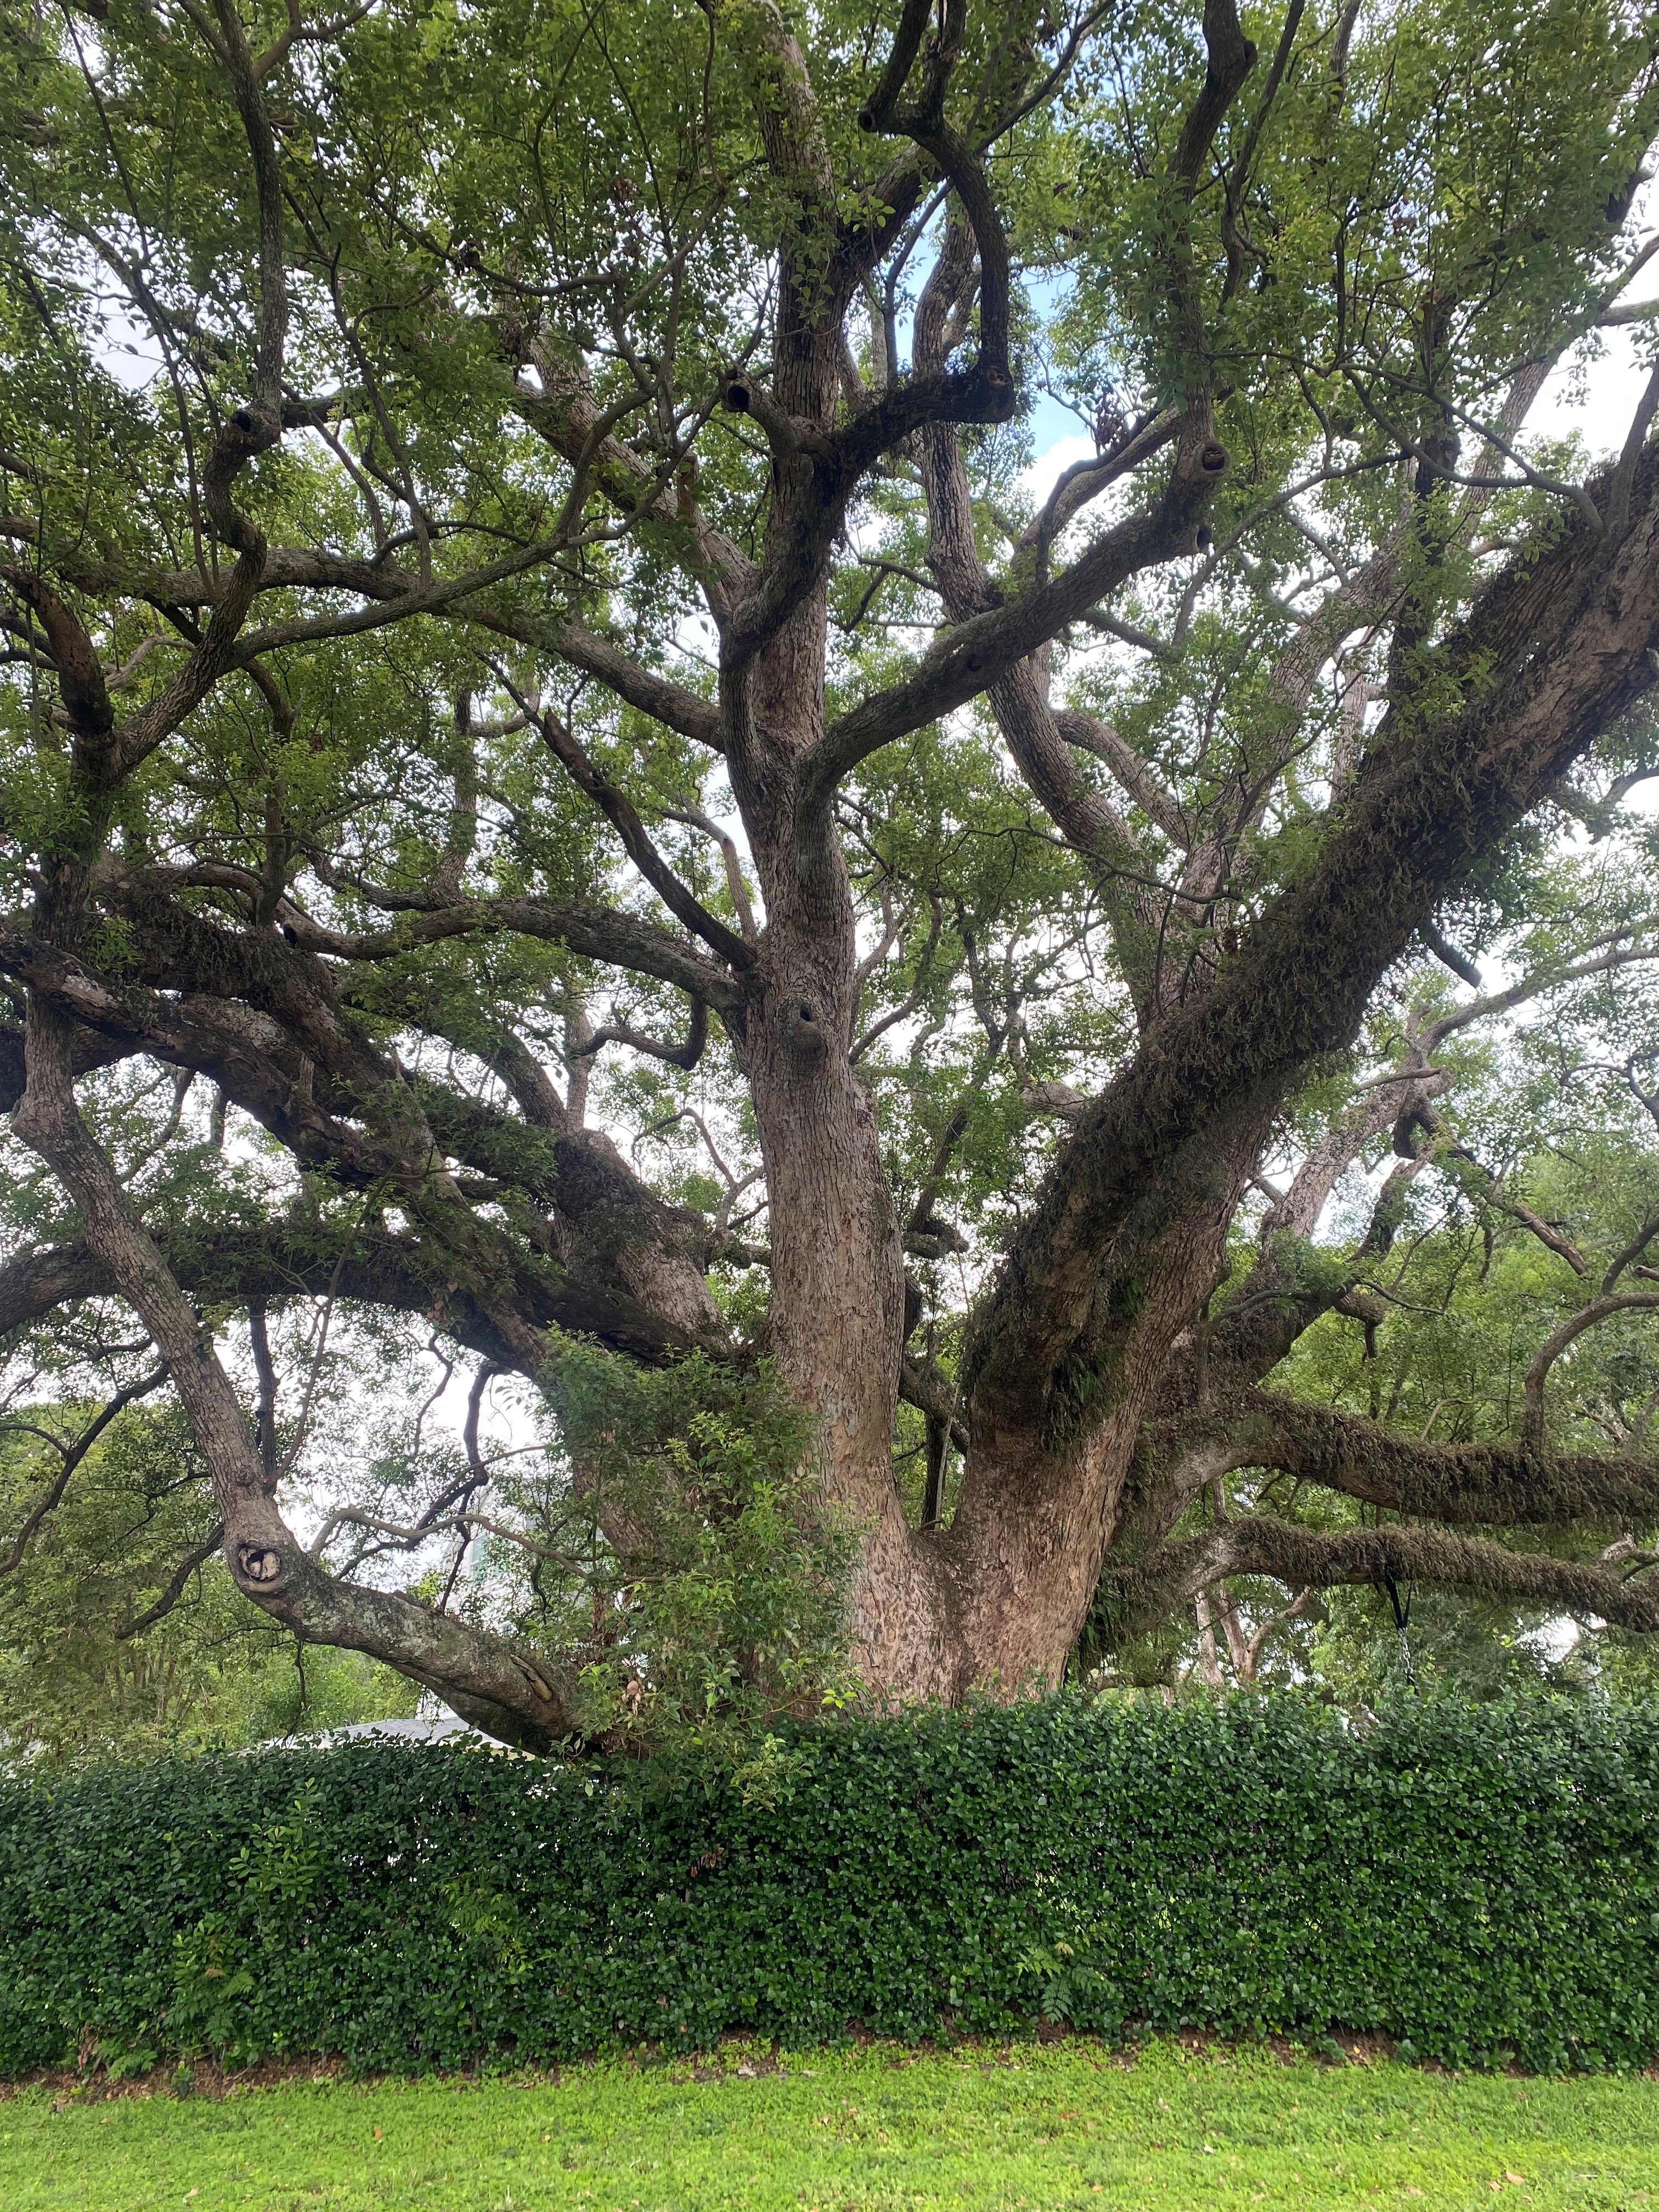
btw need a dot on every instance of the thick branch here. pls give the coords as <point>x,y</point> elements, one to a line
<point>603,932</point>
<point>684,1055</point>
<point>398,594</point>
<point>376,1269</point>
<point>80,683</point>
<point>268,187</point>
<point>1556,649</point>
<point>1093,736</point>
<point>1490,1485</point>
<point>968,658</point>
<point>1305,1558</point>
<point>1230,58</point>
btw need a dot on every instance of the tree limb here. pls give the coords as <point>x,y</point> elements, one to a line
<point>70,1457</point>
<point>198,1556</point>
<point>1468,1484</point>
<point>1532,1422</point>
<point>1307,1559</point>
<point>1185,1123</point>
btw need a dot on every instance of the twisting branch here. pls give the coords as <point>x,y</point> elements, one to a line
<point>987,643</point>
<point>684,1055</point>
<point>1231,57</point>
<point>926,124</point>
<point>1461,1164</point>
<point>80,683</point>
<point>485,1680</point>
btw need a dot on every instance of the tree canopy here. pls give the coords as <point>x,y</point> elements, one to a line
<point>1005,1071</point>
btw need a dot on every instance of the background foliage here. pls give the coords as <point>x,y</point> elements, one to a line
<point>85,1672</point>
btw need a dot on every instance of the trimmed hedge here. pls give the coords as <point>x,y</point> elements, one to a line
<point>1477,1883</point>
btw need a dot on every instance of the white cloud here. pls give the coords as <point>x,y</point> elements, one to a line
<point>1040,478</point>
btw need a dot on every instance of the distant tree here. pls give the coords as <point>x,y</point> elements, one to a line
<point>120,1631</point>
<point>561,797</point>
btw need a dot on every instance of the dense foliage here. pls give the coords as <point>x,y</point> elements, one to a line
<point>1081,1040</point>
<point>1477,1884</point>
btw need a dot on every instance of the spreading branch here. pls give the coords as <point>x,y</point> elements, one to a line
<point>1487,1485</point>
<point>1305,1558</point>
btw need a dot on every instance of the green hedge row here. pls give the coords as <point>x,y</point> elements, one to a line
<point>1478,1883</point>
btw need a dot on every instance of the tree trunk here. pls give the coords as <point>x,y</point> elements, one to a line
<point>837,1273</point>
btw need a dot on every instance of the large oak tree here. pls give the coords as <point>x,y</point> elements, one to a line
<point>527,638</point>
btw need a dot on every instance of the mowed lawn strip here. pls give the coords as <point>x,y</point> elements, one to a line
<point>1066,2124</point>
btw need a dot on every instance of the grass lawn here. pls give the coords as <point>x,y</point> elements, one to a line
<point>1059,2124</point>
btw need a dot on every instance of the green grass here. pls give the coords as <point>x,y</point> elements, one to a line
<point>1064,2124</point>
